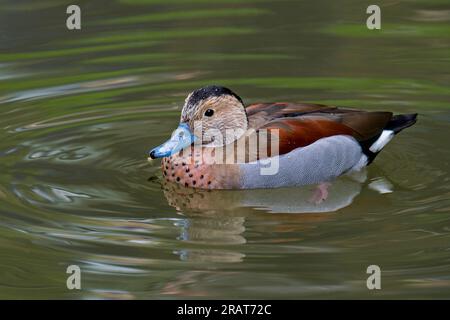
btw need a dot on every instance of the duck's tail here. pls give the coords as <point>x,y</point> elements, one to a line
<point>400,122</point>
<point>394,126</point>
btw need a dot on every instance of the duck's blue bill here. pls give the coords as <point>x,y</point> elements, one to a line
<point>181,138</point>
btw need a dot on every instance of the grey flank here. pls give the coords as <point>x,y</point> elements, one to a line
<point>321,161</point>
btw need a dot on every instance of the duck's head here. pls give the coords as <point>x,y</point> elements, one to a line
<point>212,116</point>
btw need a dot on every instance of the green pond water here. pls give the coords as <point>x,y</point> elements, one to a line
<point>80,109</point>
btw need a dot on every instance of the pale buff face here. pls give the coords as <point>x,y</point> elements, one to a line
<point>227,123</point>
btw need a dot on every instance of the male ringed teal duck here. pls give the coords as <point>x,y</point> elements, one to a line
<point>315,143</point>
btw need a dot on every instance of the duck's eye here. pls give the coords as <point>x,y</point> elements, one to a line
<point>209,112</point>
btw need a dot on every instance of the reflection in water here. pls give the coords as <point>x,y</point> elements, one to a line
<point>106,84</point>
<point>218,217</point>
<point>342,191</point>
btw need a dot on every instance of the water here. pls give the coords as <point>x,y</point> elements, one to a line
<point>80,109</point>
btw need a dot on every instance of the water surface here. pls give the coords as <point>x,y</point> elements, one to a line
<point>80,109</point>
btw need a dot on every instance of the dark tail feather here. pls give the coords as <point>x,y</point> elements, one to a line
<point>396,124</point>
<point>400,122</point>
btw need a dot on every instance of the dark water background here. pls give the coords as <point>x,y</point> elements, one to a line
<point>80,109</point>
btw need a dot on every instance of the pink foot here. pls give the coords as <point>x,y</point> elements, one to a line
<point>320,194</point>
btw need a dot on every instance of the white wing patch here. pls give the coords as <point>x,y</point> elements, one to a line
<point>383,140</point>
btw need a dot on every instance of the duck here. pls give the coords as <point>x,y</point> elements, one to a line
<point>222,144</point>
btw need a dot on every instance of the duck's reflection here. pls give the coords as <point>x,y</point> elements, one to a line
<point>217,219</point>
<point>217,224</point>
<point>215,203</point>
